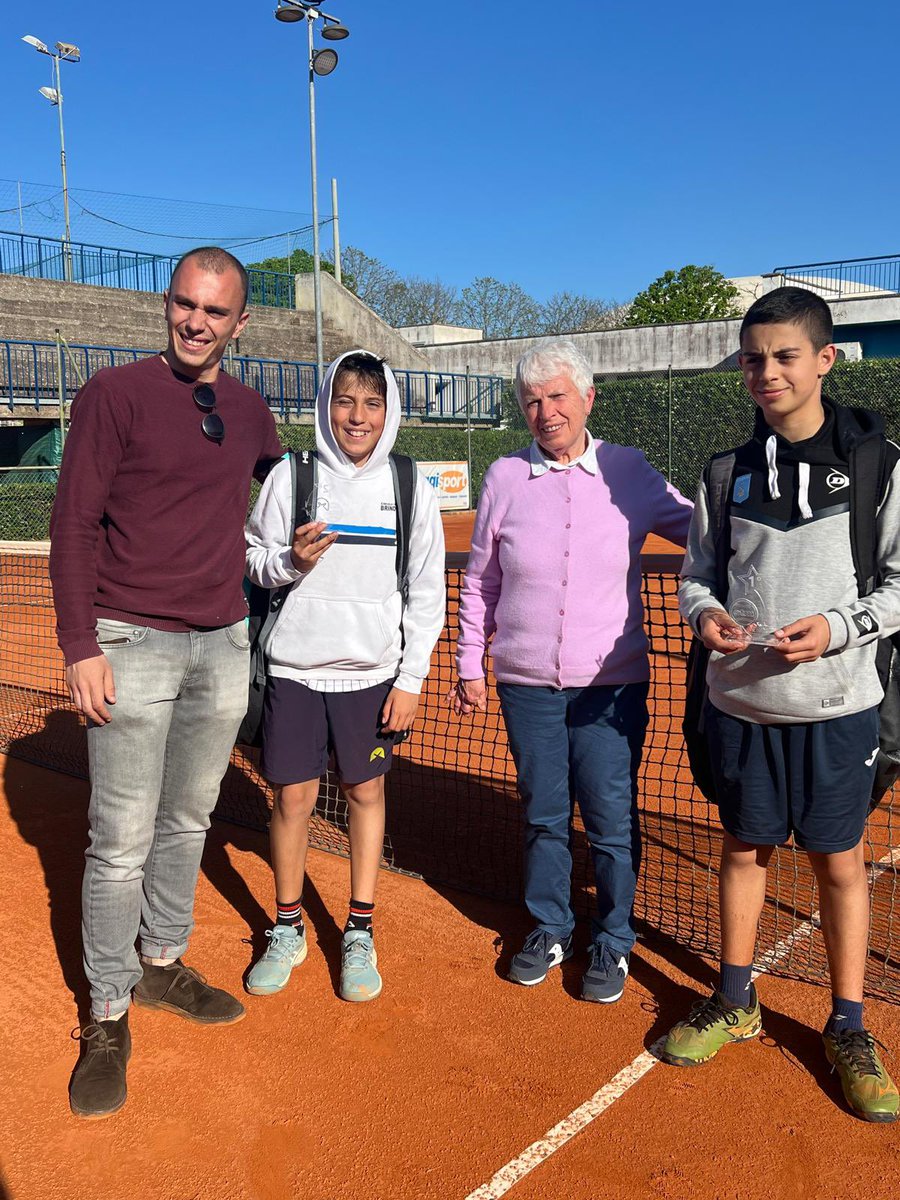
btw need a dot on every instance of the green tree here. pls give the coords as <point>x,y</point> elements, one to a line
<point>299,263</point>
<point>691,294</point>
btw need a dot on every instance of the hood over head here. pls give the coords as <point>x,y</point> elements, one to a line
<point>326,444</point>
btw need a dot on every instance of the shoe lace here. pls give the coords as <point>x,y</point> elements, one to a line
<point>540,940</point>
<point>857,1048</point>
<point>101,1042</point>
<point>357,954</point>
<point>708,1011</point>
<point>279,946</point>
<point>602,958</point>
<point>185,972</point>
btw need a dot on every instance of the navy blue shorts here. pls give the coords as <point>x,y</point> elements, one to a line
<point>301,727</point>
<point>812,781</point>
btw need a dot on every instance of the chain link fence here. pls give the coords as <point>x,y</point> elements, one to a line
<point>678,418</point>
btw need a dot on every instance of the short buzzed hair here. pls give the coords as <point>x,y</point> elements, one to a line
<point>217,260</point>
<point>793,306</point>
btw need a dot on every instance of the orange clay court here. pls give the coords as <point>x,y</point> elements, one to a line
<point>454,1084</point>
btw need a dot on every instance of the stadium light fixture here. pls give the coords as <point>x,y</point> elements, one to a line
<point>324,61</point>
<point>64,52</point>
<point>319,62</point>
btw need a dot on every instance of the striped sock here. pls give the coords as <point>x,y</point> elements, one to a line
<point>289,914</point>
<point>360,916</point>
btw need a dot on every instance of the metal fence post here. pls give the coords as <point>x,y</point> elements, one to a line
<point>61,385</point>
<point>669,415</point>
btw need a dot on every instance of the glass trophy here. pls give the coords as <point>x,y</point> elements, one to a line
<point>747,608</point>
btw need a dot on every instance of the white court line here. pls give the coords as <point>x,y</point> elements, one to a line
<point>538,1152</point>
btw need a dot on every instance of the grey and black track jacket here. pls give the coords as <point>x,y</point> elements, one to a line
<point>789,525</point>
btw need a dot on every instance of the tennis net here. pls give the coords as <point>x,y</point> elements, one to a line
<point>453,811</point>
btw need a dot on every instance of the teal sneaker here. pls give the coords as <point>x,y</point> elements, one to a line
<point>712,1024</point>
<point>359,977</point>
<point>286,950</point>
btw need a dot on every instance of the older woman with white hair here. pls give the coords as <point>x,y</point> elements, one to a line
<point>554,578</point>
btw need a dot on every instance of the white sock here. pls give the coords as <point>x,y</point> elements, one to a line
<point>157,962</point>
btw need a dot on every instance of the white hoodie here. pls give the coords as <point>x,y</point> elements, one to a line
<point>339,628</point>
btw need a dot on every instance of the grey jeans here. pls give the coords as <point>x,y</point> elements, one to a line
<point>155,775</point>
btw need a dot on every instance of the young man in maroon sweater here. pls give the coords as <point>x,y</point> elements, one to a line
<point>147,561</point>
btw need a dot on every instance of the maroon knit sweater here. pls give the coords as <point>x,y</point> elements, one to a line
<point>148,523</point>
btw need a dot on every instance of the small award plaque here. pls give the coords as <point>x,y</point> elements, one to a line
<point>747,608</point>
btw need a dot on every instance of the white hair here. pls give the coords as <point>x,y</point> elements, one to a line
<point>550,359</point>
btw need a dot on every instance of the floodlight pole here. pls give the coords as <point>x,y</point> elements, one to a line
<point>317,264</point>
<point>70,53</point>
<point>67,244</point>
<point>322,63</point>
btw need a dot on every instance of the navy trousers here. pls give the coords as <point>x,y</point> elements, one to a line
<point>584,745</point>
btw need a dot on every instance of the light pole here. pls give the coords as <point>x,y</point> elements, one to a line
<point>65,52</point>
<point>320,62</point>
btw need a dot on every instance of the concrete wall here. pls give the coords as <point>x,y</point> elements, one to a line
<point>32,309</point>
<point>691,346</point>
<point>360,327</point>
<point>436,335</point>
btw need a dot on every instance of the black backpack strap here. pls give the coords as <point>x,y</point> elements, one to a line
<point>403,471</point>
<point>719,471</point>
<point>303,482</point>
<point>869,474</point>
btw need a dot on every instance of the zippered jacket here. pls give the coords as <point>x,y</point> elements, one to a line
<point>341,621</point>
<point>789,528</point>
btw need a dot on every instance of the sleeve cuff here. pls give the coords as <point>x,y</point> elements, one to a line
<point>840,634</point>
<point>409,683</point>
<point>77,650</point>
<point>286,564</point>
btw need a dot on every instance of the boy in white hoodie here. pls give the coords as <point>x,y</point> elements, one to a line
<point>346,661</point>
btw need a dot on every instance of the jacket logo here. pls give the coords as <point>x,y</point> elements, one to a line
<point>836,480</point>
<point>741,489</point>
<point>865,623</point>
<point>385,507</point>
<point>376,753</point>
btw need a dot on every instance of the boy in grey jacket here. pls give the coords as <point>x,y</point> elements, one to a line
<point>793,715</point>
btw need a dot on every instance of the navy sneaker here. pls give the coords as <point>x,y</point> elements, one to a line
<point>542,951</point>
<point>604,979</point>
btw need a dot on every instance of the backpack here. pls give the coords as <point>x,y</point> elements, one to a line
<point>265,604</point>
<point>871,464</point>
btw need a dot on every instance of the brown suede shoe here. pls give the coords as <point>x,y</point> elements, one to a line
<point>182,990</point>
<point>97,1088</point>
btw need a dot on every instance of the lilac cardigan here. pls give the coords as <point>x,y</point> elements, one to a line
<point>555,570</point>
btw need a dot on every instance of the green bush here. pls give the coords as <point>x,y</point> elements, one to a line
<point>25,510</point>
<point>678,422</point>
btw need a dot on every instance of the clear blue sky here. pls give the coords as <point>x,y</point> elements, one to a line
<point>587,151</point>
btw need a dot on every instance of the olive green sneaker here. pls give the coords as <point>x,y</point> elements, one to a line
<point>868,1088</point>
<point>712,1024</point>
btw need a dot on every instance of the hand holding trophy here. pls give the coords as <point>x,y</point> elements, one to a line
<point>747,609</point>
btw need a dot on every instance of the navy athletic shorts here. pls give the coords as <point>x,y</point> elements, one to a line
<point>301,727</point>
<point>812,781</point>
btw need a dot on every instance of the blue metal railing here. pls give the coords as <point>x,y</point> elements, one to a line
<point>29,378</point>
<point>851,278</point>
<point>105,266</point>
